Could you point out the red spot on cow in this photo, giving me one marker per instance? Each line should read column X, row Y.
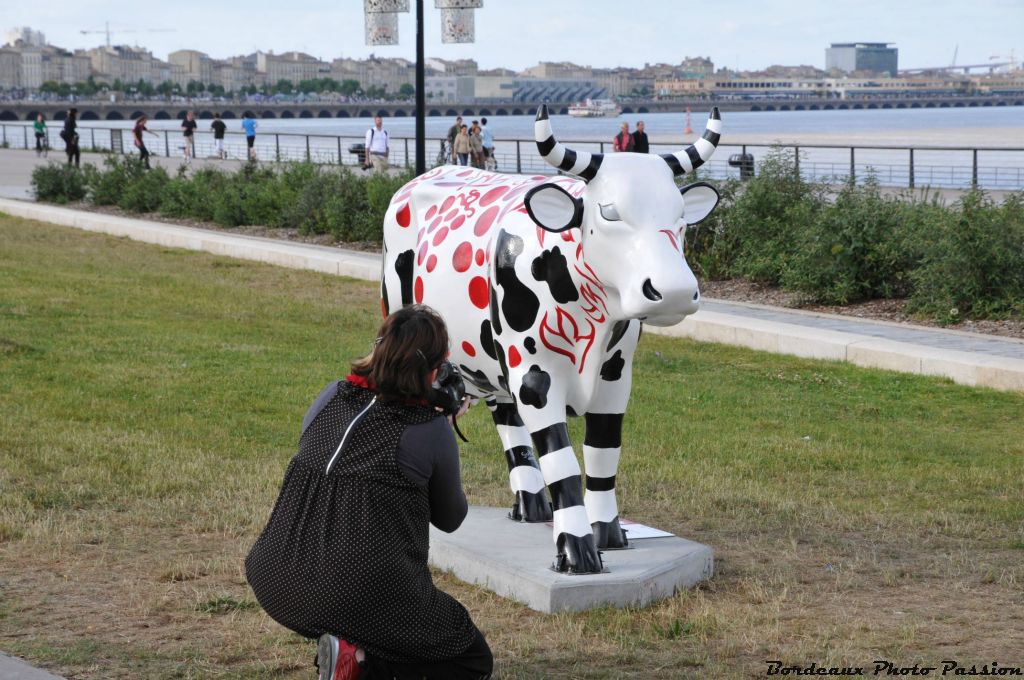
column 458, row 222
column 478, row 293
column 479, row 257
column 447, row 203
column 567, row 236
column 418, row 289
column 431, row 263
column 431, row 212
column 483, row 225
column 383, row 308
column 433, row 225
column 465, row 173
column 671, row 237
column 423, row 253
column 463, row 257
column 440, row 235
column 468, row 349
column 538, row 178
column 451, row 216
column 514, row 359
column 493, row 195
column 404, row 216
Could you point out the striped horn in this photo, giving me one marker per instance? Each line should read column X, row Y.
column 698, row 153
column 583, row 164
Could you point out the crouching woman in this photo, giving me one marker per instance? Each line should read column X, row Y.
column 343, row 558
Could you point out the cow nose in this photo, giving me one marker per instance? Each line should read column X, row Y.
column 650, row 292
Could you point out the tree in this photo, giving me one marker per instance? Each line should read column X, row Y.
column 406, row 91
column 49, row 87
column 165, row 88
column 284, row 86
column 350, row 87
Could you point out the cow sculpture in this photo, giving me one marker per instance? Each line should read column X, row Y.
column 544, row 284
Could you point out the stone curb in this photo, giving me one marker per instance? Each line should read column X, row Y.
column 967, row 368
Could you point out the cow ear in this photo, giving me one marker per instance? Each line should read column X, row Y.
column 553, row 208
column 699, row 199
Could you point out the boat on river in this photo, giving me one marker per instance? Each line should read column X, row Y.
column 595, row 108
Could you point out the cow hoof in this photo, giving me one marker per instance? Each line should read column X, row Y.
column 609, row 535
column 531, row 507
column 577, row 555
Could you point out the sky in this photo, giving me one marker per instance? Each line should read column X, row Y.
column 516, row 34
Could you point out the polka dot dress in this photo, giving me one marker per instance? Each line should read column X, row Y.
column 346, row 552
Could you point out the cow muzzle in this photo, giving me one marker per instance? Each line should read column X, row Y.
column 665, row 303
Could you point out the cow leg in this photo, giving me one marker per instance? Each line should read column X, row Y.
column 574, row 539
column 601, row 449
column 524, row 475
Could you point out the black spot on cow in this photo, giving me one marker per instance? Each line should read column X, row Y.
column 552, row 267
column 503, row 383
column 477, row 378
column 618, row 330
column 531, row 345
column 495, row 315
column 500, row 351
column 486, row 339
column 403, row 267
column 519, row 305
column 571, row 412
column 611, row 370
column 534, row 390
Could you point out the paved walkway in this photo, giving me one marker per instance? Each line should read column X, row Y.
column 12, row 668
column 967, row 358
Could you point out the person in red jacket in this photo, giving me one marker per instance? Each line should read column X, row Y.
column 624, row 141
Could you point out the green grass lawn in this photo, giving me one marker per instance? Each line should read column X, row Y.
column 150, row 400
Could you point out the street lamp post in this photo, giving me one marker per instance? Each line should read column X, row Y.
column 382, row 29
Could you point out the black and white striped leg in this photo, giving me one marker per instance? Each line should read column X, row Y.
column 574, row 540
column 601, row 448
column 524, row 475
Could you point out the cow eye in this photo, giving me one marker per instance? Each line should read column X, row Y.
column 610, row 213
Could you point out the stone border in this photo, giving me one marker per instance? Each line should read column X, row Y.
column 967, row 368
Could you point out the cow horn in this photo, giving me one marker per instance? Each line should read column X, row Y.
column 583, row 164
column 695, row 155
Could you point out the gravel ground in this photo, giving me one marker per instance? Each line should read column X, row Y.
column 735, row 290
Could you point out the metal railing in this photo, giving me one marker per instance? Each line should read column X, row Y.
column 893, row 166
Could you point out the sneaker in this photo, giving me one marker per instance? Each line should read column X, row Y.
column 336, row 659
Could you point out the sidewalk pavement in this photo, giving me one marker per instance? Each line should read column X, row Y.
column 12, row 668
column 966, row 358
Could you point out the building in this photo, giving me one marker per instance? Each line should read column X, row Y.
column 195, row 66
column 390, row 74
column 292, row 66
column 129, row 65
column 10, row 68
column 862, row 56
column 25, row 36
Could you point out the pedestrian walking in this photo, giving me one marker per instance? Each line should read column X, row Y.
column 476, row 146
column 453, row 133
column 249, row 125
column 188, row 128
column 487, row 139
column 640, row 144
column 343, row 558
column 461, row 148
column 377, row 146
column 623, row 141
column 70, row 136
column 140, row 143
column 39, row 126
column 219, row 128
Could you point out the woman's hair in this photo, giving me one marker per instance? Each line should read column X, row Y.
column 411, row 343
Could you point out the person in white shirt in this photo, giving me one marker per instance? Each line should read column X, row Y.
column 377, row 146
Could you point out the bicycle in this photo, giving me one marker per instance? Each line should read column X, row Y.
column 442, row 155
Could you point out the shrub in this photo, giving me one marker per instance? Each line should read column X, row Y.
column 107, row 186
column 760, row 230
column 854, row 249
column 59, row 182
column 144, row 192
column 195, row 196
column 973, row 264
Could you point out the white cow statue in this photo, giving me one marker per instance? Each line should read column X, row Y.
column 544, row 284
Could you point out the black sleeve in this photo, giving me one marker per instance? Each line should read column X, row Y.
column 318, row 404
column 429, row 456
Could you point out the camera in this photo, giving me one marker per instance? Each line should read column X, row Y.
column 448, row 389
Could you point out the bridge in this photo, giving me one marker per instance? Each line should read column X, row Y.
column 165, row 110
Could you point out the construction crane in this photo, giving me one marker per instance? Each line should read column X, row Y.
column 1009, row 60
column 127, row 30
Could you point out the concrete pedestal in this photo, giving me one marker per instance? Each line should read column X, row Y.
column 514, row 560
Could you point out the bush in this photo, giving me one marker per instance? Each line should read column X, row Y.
column 145, row 192
column 854, row 249
column 193, row 197
column 760, row 230
column 59, row 182
column 973, row 264
column 106, row 187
